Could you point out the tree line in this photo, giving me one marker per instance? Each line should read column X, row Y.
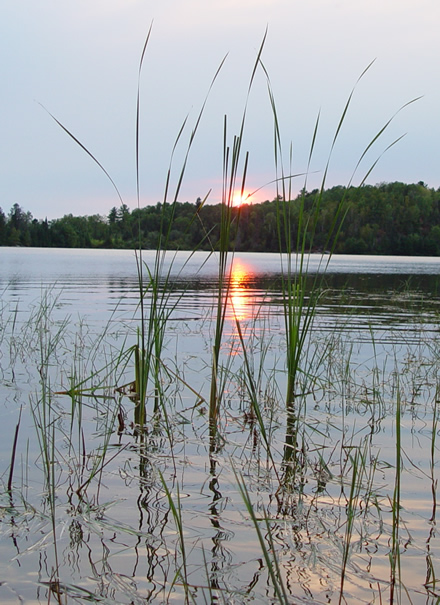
column 388, row 218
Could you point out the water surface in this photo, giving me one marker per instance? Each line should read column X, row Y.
column 67, row 316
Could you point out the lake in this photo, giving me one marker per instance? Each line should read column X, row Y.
column 333, row 493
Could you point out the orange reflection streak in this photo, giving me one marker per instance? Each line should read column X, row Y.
column 240, row 277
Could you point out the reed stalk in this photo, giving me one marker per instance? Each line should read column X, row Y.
column 176, row 511
column 432, row 461
column 301, row 292
column 395, row 571
column 358, row 470
column 267, row 547
column 156, row 295
column 296, row 227
column 231, row 177
column 14, row 451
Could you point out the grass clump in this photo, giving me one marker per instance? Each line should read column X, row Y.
column 310, row 509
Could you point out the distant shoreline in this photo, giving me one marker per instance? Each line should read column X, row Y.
column 394, row 219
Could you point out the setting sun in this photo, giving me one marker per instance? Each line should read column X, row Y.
column 239, row 197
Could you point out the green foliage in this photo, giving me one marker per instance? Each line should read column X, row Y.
column 388, row 218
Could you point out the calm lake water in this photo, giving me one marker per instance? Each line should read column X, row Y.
column 69, row 316
column 98, row 283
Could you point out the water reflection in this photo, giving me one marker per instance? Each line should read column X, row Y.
column 241, row 281
column 133, row 553
column 376, row 292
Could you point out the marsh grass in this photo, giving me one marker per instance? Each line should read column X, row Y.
column 299, row 299
column 431, row 578
column 395, row 568
column 175, row 508
column 266, row 543
column 313, row 509
column 357, row 460
column 232, row 175
column 339, row 469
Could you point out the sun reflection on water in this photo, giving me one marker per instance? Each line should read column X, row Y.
column 241, row 275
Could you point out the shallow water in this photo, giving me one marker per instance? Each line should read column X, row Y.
column 67, row 314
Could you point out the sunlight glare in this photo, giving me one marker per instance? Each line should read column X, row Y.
column 239, row 198
column 240, row 276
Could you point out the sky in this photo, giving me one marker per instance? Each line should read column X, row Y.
column 79, row 62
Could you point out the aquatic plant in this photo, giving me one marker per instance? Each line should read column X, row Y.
column 321, row 499
column 300, row 291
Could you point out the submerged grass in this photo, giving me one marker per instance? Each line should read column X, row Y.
column 340, row 507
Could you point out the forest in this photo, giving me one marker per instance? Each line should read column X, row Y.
column 387, row 218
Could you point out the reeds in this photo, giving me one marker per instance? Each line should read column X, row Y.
column 341, row 471
column 300, row 291
column 233, row 175
column 395, row 569
column 267, row 545
column 155, row 296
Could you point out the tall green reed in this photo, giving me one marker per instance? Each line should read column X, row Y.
column 232, row 175
column 156, row 302
column 301, row 290
column 157, row 295
column 395, row 570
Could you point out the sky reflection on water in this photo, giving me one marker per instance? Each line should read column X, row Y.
column 374, row 328
column 368, row 291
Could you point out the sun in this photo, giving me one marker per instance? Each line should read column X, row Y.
column 239, row 197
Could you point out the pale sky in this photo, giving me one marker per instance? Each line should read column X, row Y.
column 80, row 61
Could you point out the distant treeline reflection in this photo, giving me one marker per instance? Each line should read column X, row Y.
column 388, row 218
